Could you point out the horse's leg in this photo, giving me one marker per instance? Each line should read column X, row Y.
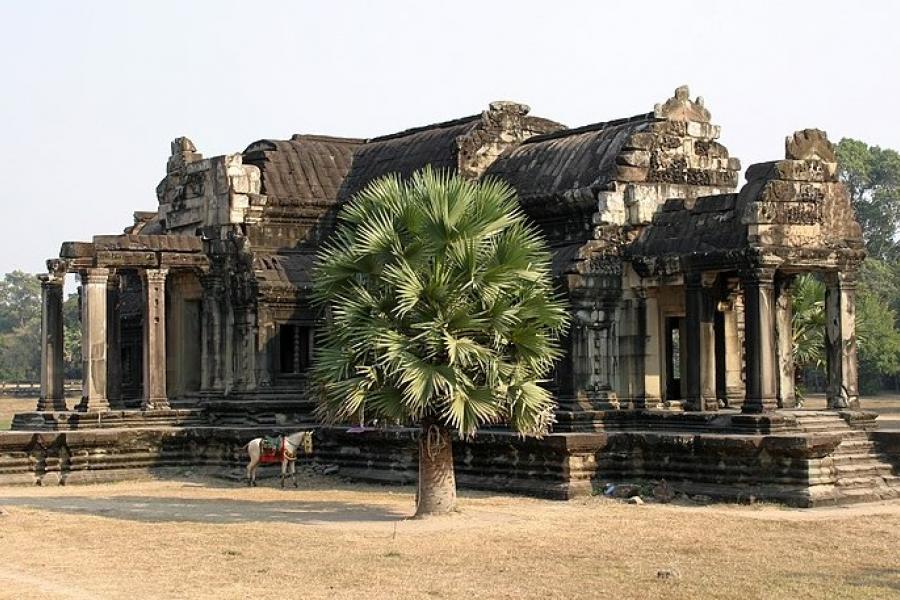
column 283, row 471
column 253, row 451
column 294, row 472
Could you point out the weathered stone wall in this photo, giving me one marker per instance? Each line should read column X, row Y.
column 90, row 456
column 211, row 192
column 757, row 458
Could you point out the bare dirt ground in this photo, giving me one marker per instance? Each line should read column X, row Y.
column 328, row 539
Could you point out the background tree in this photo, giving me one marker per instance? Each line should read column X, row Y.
column 440, row 314
column 20, row 330
column 20, row 300
column 72, row 337
column 872, row 176
column 20, row 327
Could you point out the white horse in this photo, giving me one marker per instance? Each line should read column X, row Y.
column 287, row 453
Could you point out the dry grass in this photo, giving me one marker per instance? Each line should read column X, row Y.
column 11, row 406
column 209, row 539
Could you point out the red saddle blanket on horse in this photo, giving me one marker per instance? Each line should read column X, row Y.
column 271, row 449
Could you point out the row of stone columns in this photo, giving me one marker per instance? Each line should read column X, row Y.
column 101, row 369
column 713, row 357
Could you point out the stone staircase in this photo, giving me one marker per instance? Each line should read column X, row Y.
column 862, row 473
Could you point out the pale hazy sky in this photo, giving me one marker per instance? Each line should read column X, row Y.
column 93, row 92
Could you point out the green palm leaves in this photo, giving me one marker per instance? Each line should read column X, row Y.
column 440, row 304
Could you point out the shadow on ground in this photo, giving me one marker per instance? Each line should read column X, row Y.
column 153, row 509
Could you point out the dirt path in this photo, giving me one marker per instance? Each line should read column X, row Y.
column 210, row 539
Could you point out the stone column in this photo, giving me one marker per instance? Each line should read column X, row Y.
column 840, row 340
column 212, row 336
column 155, row 340
column 652, row 364
column 699, row 346
column 708, row 353
column 113, row 344
column 227, row 358
column 205, row 333
column 784, row 342
column 721, row 383
column 52, row 372
column 759, row 341
column 734, row 354
column 93, row 339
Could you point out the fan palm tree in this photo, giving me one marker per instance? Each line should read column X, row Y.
column 808, row 321
column 441, row 314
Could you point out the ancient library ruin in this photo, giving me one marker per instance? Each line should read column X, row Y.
column 197, row 327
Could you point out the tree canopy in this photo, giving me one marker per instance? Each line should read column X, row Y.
column 440, row 306
column 872, row 176
column 20, row 329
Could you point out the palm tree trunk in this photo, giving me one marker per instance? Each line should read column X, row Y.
column 437, row 482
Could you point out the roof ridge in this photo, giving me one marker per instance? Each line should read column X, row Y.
column 319, row 137
column 440, row 125
column 591, row 127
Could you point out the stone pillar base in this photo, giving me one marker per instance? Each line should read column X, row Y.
column 759, row 405
column 648, row 403
column 93, row 405
column 51, row 405
column 155, row 404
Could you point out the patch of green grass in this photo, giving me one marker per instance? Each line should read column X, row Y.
column 5, row 423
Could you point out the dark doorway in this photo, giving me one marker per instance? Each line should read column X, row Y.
column 673, row 358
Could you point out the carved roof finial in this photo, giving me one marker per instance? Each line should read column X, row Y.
column 809, row 144
column 181, row 145
column 680, row 107
column 183, row 151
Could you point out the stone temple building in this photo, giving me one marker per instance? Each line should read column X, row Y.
column 678, row 281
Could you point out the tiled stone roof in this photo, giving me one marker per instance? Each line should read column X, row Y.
column 570, row 165
column 306, row 169
column 406, row 152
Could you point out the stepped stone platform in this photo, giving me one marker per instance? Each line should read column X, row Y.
column 799, row 458
column 108, row 419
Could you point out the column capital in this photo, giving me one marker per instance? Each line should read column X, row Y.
column 155, row 275
column 114, row 279
column 845, row 280
column 759, row 275
column 51, row 280
column 95, row 275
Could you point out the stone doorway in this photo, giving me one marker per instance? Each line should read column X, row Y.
column 183, row 335
column 674, row 357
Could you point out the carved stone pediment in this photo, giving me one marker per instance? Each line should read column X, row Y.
column 809, row 144
column 680, row 107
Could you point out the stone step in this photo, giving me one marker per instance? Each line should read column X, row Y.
column 863, row 470
column 852, row 458
column 867, row 481
column 854, row 496
column 852, row 446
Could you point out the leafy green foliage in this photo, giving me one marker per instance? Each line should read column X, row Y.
column 439, row 303
column 20, row 327
column 877, row 335
column 808, row 322
column 872, row 176
column 72, row 337
column 20, row 330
